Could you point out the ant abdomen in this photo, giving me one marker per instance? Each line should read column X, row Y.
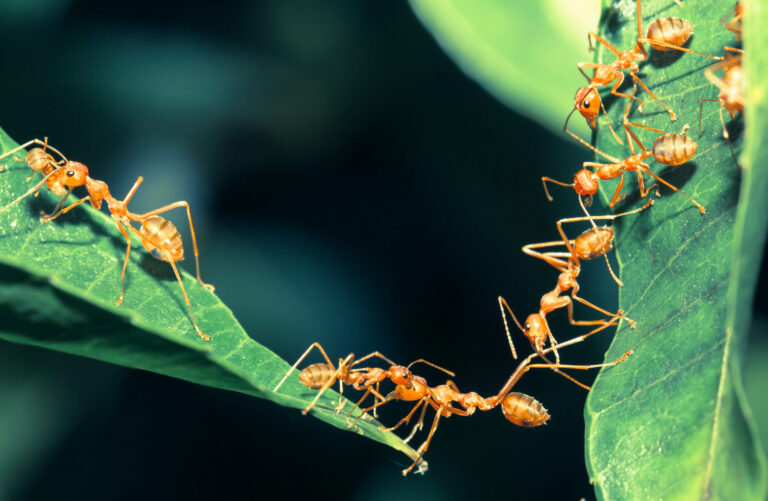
column 316, row 376
column 39, row 160
column 524, row 410
column 162, row 231
column 670, row 30
column 594, row 242
column 674, row 149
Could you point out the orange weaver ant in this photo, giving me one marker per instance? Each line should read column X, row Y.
column 731, row 87
column 517, row 407
column 158, row 236
column 669, row 149
column 321, row 376
column 590, row 244
column 663, row 34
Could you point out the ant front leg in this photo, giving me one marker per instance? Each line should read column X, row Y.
column 672, row 114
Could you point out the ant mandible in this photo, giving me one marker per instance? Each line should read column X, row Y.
column 158, row 235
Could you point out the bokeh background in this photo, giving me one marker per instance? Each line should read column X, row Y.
column 350, row 186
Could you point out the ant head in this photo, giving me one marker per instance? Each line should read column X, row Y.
column 413, row 390
column 594, row 242
column 587, row 101
column 585, row 182
column 535, row 329
column 400, row 375
column 74, row 174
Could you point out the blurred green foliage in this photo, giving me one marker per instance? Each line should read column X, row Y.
column 673, row 420
column 524, row 53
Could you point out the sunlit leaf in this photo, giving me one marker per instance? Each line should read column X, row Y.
column 524, row 53
column 672, row 422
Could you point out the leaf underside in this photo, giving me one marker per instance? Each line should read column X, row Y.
column 672, row 421
column 500, row 44
column 59, row 281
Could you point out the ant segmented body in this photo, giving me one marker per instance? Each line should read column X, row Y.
column 663, row 34
column 669, row 149
column 517, row 408
column 158, row 236
column 321, row 376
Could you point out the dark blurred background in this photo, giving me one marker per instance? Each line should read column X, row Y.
column 350, row 186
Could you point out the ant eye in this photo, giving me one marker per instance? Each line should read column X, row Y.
column 527, row 327
column 586, row 104
column 70, row 173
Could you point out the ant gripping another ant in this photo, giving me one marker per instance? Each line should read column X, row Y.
column 321, row 376
column 663, row 34
column 517, row 408
column 158, row 235
column 592, row 243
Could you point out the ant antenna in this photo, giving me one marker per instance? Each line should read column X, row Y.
column 502, row 304
column 421, row 360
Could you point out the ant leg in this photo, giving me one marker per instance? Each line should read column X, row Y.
column 125, row 261
column 58, row 205
column 172, row 206
column 30, row 191
column 302, row 357
column 566, row 375
column 133, row 189
column 418, row 426
column 425, row 446
column 407, row 417
column 357, row 406
column 666, row 45
column 616, row 197
column 503, row 304
column 523, row 366
column 552, row 341
column 670, row 186
column 620, row 313
column 170, row 260
column 672, row 115
column 64, row 210
column 551, row 258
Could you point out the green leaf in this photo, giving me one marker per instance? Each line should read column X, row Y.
column 59, row 281
column 524, row 53
column 672, row 422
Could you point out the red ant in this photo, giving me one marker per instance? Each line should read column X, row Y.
column 669, row 149
column 663, row 34
column 731, row 87
column 158, row 236
column 517, row 407
column 592, row 243
column 321, row 376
